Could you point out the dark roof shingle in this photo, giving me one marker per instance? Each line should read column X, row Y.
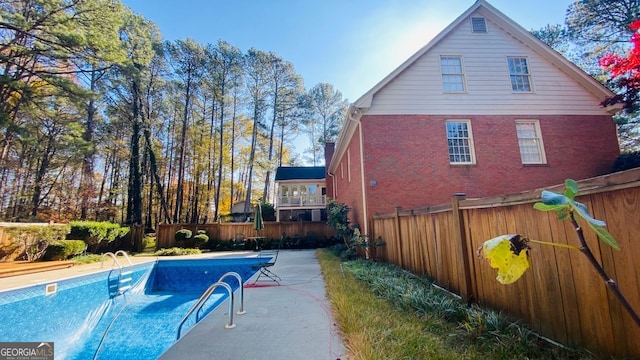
column 300, row 173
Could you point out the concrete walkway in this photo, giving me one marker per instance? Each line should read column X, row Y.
column 290, row 321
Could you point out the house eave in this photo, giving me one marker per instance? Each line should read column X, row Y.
column 354, row 114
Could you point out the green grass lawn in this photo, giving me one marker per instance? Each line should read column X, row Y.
column 387, row 313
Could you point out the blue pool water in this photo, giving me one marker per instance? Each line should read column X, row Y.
column 86, row 319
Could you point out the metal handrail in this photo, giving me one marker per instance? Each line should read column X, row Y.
column 123, row 253
column 203, row 298
column 239, row 278
column 121, row 289
column 113, row 256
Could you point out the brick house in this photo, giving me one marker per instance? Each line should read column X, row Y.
column 483, row 109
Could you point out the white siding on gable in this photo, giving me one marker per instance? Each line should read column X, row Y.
column 418, row 89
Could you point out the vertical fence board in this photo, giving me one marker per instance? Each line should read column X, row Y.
column 561, row 296
column 619, row 209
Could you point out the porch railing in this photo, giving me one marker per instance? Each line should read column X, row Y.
column 302, row 200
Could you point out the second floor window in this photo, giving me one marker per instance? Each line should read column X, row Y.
column 519, row 74
column 460, row 142
column 452, row 75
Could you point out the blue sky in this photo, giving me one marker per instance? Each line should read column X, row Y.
column 352, row 44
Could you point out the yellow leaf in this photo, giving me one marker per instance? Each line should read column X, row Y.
column 509, row 254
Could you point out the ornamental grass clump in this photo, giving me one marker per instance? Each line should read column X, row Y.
column 452, row 328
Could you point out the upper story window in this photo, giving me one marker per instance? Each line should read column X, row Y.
column 519, row 73
column 530, row 142
column 460, row 142
column 452, row 74
column 478, row 25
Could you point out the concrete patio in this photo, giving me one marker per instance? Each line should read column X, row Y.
column 289, row 321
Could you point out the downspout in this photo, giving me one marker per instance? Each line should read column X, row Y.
column 333, row 183
column 357, row 118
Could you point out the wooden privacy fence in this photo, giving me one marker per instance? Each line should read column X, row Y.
column 227, row 231
column 561, row 296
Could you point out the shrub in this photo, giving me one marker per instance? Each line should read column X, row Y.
column 199, row 240
column 627, row 161
column 87, row 259
column 64, row 249
column 183, row 234
column 148, row 241
column 31, row 242
column 95, row 233
column 176, row 251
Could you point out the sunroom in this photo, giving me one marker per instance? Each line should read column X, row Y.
column 301, row 193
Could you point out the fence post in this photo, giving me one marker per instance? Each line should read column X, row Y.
column 399, row 236
column 460, row 239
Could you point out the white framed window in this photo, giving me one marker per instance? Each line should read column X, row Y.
column 530, row 142
column 460, row 142
column 519, row 74
column 478, row 25
column 452, row 74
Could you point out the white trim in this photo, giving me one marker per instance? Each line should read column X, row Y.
column 472, row 152
column 349, row 165
column 528, row 75
column 538, row 138
column 365, row 213
column 473, row 30
column 462, row 74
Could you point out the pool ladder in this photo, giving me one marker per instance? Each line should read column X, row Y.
column 124, row 273
column 207, row 294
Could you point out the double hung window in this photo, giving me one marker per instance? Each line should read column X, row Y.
column 460, row 142
column 452, row 74
column 519, row 74
column 530, row 142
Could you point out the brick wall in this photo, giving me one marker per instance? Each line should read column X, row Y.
column 407, row 157
column 349, row 191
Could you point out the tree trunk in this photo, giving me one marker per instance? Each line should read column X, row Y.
column 182, row 154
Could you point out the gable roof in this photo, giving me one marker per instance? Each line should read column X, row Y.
column 300, row 173
column 358, row 108
column 510, row 26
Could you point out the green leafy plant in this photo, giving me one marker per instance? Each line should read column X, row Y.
column 200, row 239
column 64, row 249
column 509, row 253
column 96, row 233
column 338, row 218
column 176, row 251
column 33, row 240
column 461, row 331
column 183, row 234
column 148, row 242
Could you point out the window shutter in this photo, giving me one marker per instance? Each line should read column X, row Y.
column 478, row 25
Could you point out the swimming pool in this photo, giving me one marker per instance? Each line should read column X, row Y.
column 87, row 319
